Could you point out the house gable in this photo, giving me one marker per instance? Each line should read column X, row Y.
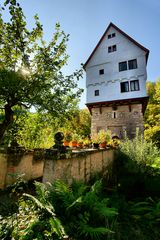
column 104, row 42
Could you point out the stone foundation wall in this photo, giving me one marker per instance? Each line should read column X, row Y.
column 125, row 118
column 80, row 166
column 13, row 164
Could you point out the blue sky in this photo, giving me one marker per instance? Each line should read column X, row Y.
column 86, row 21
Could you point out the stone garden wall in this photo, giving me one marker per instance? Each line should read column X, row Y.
column 80, row 165
column 13, row 164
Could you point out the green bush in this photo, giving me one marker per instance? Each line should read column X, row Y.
column 139, row 150
column 138, row 167
column 33, row 220
column 83, row 210
column 138, row 219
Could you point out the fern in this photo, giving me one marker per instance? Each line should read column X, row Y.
column 55, row 223
column 93, row 232
column 79, row 188
column 78, row 201
column 82, row 209
column 61, row 192
column 104, row 211
column 57, row 227
column 41, row 192
column 97, row 187
column 148, row 209
column 47, row 207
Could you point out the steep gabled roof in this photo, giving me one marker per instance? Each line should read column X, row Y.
column 124, row 34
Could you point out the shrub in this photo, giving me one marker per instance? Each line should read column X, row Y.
column 139, row 150
column 35, row 219
column 83, row 210
column 138, row 167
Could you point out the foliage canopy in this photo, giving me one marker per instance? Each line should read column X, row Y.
column 31, row 69
column 152, row 115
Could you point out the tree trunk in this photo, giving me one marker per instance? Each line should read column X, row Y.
column 7, row 121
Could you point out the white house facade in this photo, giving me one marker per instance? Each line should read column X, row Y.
column 115, row 78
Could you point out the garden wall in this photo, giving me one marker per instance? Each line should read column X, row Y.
column 81, row 165
column 15, row 163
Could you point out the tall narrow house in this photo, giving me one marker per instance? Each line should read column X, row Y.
column 116, row 83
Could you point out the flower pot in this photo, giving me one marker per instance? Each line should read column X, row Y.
column 95, row 145
column 66, row 143
column 74, row 144
column 80, row 145
column 86, row 145
column 102, row 145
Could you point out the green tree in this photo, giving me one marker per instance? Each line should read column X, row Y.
column 79, row 122
column 152, row 115
column 36, row 130
column 31, row 69
column 84, row 126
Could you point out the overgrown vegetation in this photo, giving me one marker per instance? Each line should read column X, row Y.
column 138, row 195
column 83, row 212
column 138, row 167
column 129, row 209
column 37, row 130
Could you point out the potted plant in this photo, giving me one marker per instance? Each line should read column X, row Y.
column 86, row 142
column 108, row 135
column 67, row 139
column 110, row 144
column 116, row 141
column 102, row 138
column 80, row 142
column 95, row 141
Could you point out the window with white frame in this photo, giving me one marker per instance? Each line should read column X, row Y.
column 124, row 86
column 129, row 86
column 132, row 64
column 134, row 85
column 128, row 65
column 122, row 66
